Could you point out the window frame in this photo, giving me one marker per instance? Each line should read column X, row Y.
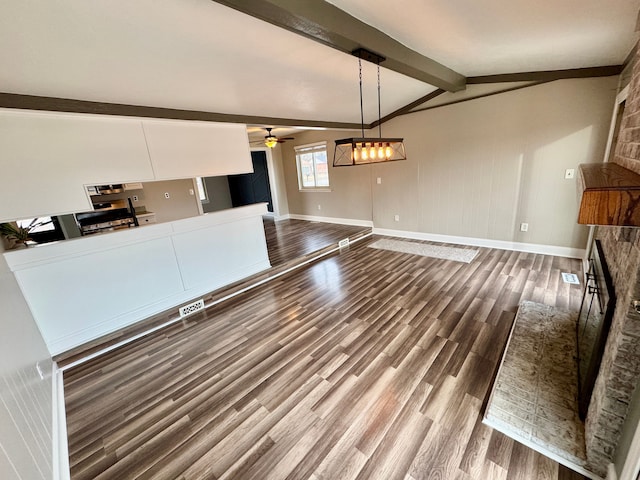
column 317, row 146
column 201, row 183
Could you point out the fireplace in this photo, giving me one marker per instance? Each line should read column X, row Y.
column 594, row 322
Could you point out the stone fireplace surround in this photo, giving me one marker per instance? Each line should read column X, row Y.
column 620, row 369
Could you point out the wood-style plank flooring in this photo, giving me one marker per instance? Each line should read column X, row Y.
column 290, row 243
column 368, row 364
column 291, row 239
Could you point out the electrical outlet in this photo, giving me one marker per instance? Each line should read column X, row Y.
column 569, row 173
column 524, row 227
column 135, row 198
column 379, row 180
column 319, row 207
column 396, row 218
column 166, row 195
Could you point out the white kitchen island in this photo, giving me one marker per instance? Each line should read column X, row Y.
column 81, row 289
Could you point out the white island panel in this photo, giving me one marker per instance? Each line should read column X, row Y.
column 90, row 295
column 199, row 251
column 82, row 289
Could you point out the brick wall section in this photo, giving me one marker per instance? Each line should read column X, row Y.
column 620, row 368
column 627, row 151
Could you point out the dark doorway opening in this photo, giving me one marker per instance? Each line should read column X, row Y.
column 249, row 188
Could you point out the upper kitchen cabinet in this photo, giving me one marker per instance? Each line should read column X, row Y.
column 47, row 158
column 180, row 149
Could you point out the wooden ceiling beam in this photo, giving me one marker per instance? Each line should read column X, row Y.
column 327, row 24
column 407, row 108
column 548, row 75
column 69, row 105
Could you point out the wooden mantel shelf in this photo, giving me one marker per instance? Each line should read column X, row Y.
column 609, row 194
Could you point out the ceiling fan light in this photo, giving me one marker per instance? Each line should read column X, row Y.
column 270, row 142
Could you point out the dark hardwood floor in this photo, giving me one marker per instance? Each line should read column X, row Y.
column 290, row 243
column 291, row 239
column 368, row 364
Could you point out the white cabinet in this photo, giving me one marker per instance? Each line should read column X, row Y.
column 46, row 159
column 182, row 149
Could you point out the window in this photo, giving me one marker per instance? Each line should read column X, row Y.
column 313, row 169
column 47, row 229
column 41, row 224
column 202, row 190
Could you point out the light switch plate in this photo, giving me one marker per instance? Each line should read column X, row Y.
column 569, row 173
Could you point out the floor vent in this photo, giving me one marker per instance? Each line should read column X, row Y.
column 343, row 243
column 191, row 308
column 570, row 278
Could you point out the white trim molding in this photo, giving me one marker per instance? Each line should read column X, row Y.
column 60, row 448
column 631, row 467
column 484, row 242
column 338, row 221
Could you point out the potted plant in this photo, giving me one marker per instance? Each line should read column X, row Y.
column 17, row 236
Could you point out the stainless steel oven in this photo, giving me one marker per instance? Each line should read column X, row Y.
column 106, row 216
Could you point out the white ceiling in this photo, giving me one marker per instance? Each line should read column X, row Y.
column 486, row 37
column 200, row 55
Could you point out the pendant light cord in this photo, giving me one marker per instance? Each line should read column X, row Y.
column 379, row 122
column 361, row 108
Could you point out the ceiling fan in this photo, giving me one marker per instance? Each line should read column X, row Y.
column 271, row 140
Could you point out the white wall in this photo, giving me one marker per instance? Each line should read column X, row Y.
column 180, row 204
column 25, row 399
column 218, row 192
column 479, row 168
column 350, row 195
column 279, row 186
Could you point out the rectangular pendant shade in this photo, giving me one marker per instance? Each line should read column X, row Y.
column 362, row 151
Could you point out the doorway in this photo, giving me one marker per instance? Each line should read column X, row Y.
column 249, row 188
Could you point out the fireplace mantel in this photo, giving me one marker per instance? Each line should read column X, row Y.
column 609, row 194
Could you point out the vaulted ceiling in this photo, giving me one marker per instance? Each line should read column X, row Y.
column 204, row 56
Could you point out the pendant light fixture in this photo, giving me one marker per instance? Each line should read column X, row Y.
column 361, row 151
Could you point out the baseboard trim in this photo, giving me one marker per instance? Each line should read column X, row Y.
column 336, row 220
column 611, row 472
column 483, row 242
column 60, row 447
